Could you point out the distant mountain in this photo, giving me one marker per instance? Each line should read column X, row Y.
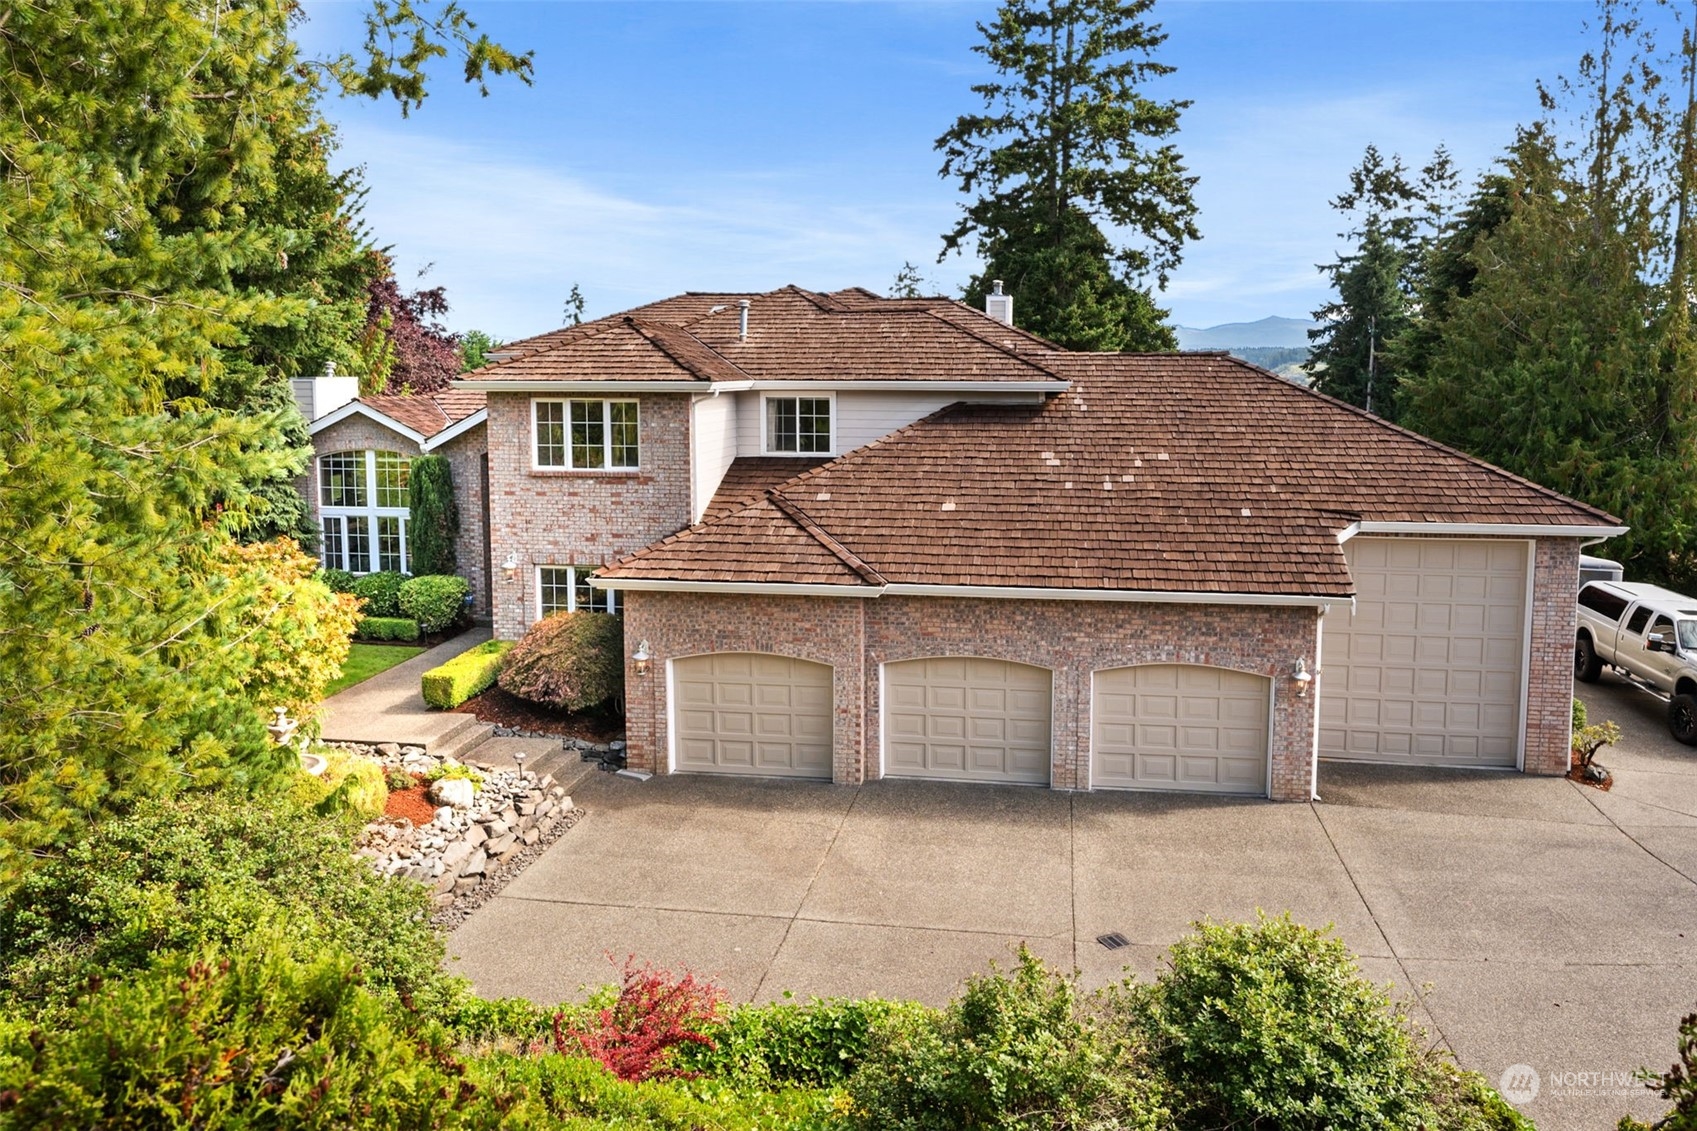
column 1289, row 333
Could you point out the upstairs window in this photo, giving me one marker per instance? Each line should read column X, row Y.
column 362, row 504
column 798, row 425
column 585, row 435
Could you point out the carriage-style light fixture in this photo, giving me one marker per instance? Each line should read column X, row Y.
column 1301, row 676
column 510, row 567
column 641, row 658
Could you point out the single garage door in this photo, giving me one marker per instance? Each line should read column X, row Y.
column 751, row 713
column 1429, row 669
column 1181, row 727
column 966, row 719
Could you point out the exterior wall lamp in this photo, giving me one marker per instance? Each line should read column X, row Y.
column 641, row 658
column 510, row 567
column 1301, row 677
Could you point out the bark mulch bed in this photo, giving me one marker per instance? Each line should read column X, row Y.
column 507, row 710
column 413, row 804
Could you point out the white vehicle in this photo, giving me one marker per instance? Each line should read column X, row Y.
column 1648, row 634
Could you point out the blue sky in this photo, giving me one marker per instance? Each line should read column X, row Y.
column 698, row 145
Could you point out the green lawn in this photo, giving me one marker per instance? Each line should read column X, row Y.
column 366, row 660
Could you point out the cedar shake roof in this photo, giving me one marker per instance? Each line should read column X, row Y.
column 1162, row 472
column 428, row 414
column 794, row 335
column 748, row 477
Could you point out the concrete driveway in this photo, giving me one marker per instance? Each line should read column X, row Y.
column 1529, row 921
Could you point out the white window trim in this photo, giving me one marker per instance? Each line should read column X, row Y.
column 371, row 512
column 766, row 421
column 573, row 579
column 606, row 436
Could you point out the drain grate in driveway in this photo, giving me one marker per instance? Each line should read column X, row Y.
column 1113, row 940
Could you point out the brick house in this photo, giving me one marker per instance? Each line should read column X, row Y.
column 855, row 538
column 356, row 487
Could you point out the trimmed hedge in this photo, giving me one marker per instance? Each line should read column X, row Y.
column 339, row 580
column 465, row 675
column 386, row 628
column 382, row 593
column 434, row 600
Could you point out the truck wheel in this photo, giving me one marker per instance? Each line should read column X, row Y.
column 1587, row 668
column 1682, row 717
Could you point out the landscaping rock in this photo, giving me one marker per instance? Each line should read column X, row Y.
column 389, row 749
column 475, row 864
column 502, row 846
column 455, row 792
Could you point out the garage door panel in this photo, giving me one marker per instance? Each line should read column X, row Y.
column 1447, row 693
column 982, row 720
column 1181, row 727
column 752, row 713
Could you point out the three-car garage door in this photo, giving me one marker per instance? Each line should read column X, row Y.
column 1180, row 727
column 1429, row 669
column 751, row 713
column 962, row 718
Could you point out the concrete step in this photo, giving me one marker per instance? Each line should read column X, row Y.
column 462, row 741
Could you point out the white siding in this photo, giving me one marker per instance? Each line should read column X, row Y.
column 861, row 417
column 713, row 445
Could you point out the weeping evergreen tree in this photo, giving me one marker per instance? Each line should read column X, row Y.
column 433, row 525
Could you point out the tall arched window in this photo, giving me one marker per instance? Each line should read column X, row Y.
column 362, row 502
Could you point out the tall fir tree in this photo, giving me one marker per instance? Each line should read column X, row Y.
column 1069, row 147
column 1395, row 212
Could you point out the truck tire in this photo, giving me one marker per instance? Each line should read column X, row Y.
column 1587, row 668
column 1682, row 717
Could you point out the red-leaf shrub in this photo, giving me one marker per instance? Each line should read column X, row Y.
column 656, row 1012
column 568, row 661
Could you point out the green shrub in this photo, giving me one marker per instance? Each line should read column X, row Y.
column 568, row 661
column 1578, row 716
column 381, row 593
column 434, row 601
column 1013, row 1051
column 817, row 1044
column 1463, row 1101
column 433, row 525
column 249, row 1036
column 465, row 675
column 387, row 628
column 456, row 770
column 1272, row 1024
column 209, row 868
column 398, row 780
column 339, row 580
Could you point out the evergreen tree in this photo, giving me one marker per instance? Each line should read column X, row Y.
column 139, row 645
column 910, row 282
column 1375, row 283
column 433, row 527
column 574, row 307
column 1067, row 147
column 475, row 348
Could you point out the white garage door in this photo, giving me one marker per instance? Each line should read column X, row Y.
column 750, row 713
column 966, row 719
column 1429, row 669
column 1180, row 727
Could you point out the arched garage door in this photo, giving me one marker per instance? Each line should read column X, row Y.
column 1180, row 727
column 751, row 713
column 961, row 718
column 1428, row 669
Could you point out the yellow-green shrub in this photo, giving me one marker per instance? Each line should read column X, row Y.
column 352, row 784
column 465, row 675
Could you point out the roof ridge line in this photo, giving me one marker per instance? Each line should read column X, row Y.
column 1420, row 438
column 824, row 537
column 652, row 334
column 993, row 344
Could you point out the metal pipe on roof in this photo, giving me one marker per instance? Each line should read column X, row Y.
column 742, row 319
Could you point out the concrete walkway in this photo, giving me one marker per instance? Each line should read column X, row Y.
column 1528, row 920
column 388, row 707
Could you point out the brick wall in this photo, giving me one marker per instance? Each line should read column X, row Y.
column 1071, row 638
column 579, row 517
column 1549, row 682
column 465, row 456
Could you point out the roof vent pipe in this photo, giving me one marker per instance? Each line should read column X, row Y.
column 998, row 305
column 742, row 319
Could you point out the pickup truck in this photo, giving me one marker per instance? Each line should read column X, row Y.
column 1647, row 633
